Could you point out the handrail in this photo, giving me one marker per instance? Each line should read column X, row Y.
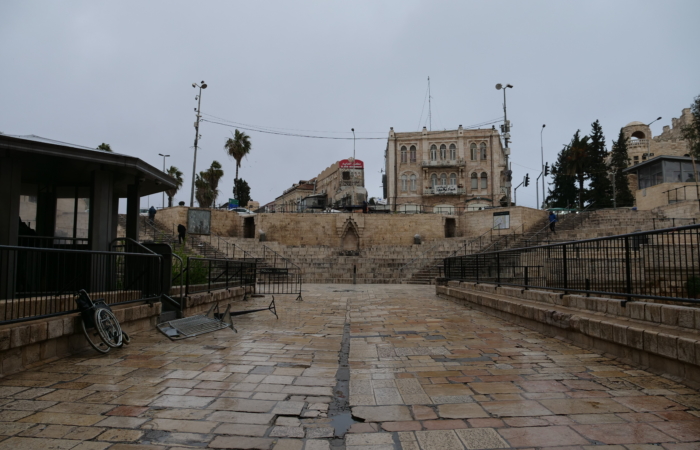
column 284, row 258
column 148, row 250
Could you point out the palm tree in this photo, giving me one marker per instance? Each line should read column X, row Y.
column 177, row 174
column 105, row 147
column 212, row 175
column 237, row 148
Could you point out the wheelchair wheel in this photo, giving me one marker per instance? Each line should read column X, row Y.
column 125, row 338
column 108, row 327
column 94, row 339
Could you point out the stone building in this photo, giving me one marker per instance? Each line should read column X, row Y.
column 342, row 184
column 642, row 145
column 445, row 171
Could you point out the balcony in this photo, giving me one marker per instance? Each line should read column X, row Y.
column 636, row 143
column 443, row 163
column 450, row 189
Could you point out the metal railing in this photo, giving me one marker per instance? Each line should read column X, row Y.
column 53, row 242
column 210, row 274
column 42, row 282
column 662, row 264
column 673, row 196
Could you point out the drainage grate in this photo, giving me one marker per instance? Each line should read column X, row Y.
column 191, row 326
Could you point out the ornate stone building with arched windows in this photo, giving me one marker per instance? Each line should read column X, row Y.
column 444, row 171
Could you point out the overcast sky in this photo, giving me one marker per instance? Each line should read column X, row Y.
column 120, row 72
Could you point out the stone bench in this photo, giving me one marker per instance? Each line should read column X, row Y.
column 660, row 337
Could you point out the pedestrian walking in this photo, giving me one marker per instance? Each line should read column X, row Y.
column 151, row 214
column 364, row 206
column 181, row 230
column 552, row 220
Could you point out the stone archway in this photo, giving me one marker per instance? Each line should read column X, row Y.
column 350, row 240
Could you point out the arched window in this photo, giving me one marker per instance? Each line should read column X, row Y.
column 475, row 181
column 404, row 179
column 413, row 182
column 475, row 155
column 443, row 152
column 433, row 153
column 443, row 179
column 433, row 181
column 484, row 180
column 453, row 179
column 482, row 147
column 403, row 154
column 413, row 153
column 453, row 152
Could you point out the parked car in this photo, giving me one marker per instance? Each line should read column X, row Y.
column 243, row 211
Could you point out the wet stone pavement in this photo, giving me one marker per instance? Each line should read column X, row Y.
column 357, row 367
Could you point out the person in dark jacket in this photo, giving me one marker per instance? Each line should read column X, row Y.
column 181, row 230
column 151, row 214
column 552, row 220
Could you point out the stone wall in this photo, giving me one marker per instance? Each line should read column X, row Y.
column 27, row 344
column 475, row 223
column 357, row 231
column 657, row 196
column 223, row 223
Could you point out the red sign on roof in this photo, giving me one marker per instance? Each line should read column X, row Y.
column 347, row 164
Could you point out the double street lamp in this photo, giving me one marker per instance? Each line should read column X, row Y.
column 164, row 156
column 201, row 86
column 648, row 153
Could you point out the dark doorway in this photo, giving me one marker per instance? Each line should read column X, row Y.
column 450, row 227
column 249, row 227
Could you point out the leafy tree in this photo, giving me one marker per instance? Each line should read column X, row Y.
column 691, row 132
column 105, row 147
column 177, row 174
column 563, row 192
column 620, row 160
column 243, row 191
column 600, row 187
column 238, row 148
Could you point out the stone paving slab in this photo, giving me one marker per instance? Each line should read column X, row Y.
column 423, row 373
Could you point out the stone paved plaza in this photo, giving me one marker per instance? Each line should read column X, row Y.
column 424, row 373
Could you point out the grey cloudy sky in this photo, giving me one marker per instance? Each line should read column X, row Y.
column 120, row 72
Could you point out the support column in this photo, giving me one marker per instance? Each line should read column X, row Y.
column 100, row 210
column 46, row 211
column 10, row 185
column 133, row 204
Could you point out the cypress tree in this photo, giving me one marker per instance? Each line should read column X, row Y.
column 563, row 193
column 620, row 160
column 600, row 187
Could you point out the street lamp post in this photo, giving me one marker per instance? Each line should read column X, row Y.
column 506, row 138
column 164, row 156
column 649, row 138
column 353, row 167
column 196, row 136
column 542, row 156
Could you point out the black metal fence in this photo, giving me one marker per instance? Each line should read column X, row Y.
column 662, row 264
column 277, row 280
column 209, row 274
column 42, row 282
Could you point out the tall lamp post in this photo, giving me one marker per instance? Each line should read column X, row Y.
column 164, row 156
column 506, row 137
column 542, row 156
column 353, row 167
column 196, row 136
column 649, row 138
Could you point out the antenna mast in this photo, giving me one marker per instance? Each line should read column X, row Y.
column 430, row 111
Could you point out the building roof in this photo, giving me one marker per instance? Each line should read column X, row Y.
column 635, row 123
column 71, row 164
column 655, row 159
